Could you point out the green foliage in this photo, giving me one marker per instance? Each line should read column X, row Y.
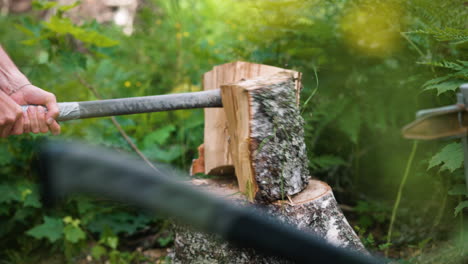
column 458, row 189
column 367, row 92
column 460, row 207
column 448, row 82
column 165, row 241
column 52, row 229
column 325, row 162
column 63, row 26
column 371, row 214
column 450, row 157
column 72, row 230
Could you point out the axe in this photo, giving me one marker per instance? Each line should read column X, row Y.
column 137, row 105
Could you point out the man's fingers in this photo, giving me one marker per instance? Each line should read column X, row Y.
column 18, row 128
column 10, row 112
column 32, row 110
column 41, row 119
column 52, row 109
column 26, row 123
column 55, row 128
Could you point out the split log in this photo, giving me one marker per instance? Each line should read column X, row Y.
column 218, row 160
column 313, row 210
column 267, row 136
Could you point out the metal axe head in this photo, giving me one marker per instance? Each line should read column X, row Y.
column 441, row 122
column 437, row 123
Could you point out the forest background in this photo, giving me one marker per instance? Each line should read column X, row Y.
column 367, row 65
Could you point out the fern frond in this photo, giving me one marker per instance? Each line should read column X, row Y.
column 447, row 34
column 456, row 66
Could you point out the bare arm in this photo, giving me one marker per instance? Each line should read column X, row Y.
column 11, row 79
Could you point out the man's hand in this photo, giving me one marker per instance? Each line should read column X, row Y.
column 10, row 115
column 16, row 90
column 37, row 120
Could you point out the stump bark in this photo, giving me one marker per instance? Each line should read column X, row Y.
column 313, row 210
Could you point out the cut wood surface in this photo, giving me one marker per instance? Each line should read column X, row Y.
column 266, row 136
column 313, row 210
column 218, row 159
column 198, row 165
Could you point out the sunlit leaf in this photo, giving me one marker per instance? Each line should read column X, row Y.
column 98, row 251
column 43, row 5
column 73, row 233
column 65, row 8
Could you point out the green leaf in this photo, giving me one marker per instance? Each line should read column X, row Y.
column 94, row 38
column 459, row 189
column 166, row 154
column 158, row 137
column 43, row 57
column 9, row 193
column 84, row 205
column 30, row 42
column 450, row 157
column 98, row 251
column 118, row 222
column 32, row 199
column 65, row 26
column 65, row 8
column 73, row 233
column 165, row 241
column 460, row 207
column 25, row 30
column 444, row 64
column 41, row 5
column 112, row 241
column 443, row 87
column 52, row 229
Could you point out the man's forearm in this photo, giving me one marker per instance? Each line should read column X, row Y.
column 11, row 78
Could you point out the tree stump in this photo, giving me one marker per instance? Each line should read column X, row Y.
column 312, row 210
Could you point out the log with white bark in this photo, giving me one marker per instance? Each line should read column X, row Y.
column 267, row 136
column 313, row 210
column 217, row 156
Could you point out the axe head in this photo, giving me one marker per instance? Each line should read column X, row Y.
column 437, row 123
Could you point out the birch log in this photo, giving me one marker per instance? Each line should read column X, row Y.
column 217, row 157
column 267, row 136
column 313, row 210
